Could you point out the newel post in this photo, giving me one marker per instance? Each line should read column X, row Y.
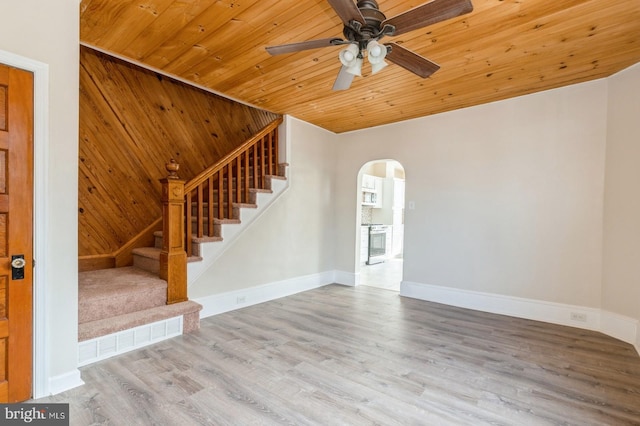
column 173, row 258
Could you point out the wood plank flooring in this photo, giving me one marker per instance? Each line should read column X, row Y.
column 362, row 356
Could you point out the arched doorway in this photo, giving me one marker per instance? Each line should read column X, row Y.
column 380, row 214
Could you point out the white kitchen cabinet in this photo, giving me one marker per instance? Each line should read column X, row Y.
column 372, row 191
column 368, row 182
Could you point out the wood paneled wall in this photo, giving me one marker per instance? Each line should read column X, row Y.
column 132, row 122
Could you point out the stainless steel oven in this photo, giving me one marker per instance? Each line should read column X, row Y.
column 377, row 244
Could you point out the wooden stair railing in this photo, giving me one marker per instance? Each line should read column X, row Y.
column 192, row 209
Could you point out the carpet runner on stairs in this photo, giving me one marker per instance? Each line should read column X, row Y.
column 112, row 300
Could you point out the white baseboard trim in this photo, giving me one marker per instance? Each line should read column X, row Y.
column 103, row 347
column 64, row 382
column 236, row 299
column 615, row 325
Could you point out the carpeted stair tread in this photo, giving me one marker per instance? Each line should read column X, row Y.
column 154, row 253
column 106, row 293
column 226, row 221
column 246, row 205
column 276, row 177
column 148, row 252
column 206, row 239
column 102, row 327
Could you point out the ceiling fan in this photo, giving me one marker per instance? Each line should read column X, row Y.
column 365, row 24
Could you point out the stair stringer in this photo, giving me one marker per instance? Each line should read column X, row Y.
column 211, row 251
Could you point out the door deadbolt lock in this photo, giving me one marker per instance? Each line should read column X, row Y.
column 17, row 267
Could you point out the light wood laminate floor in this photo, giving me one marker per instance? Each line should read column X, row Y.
column 363, row 356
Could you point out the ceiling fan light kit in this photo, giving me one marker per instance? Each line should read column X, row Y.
column 351, row 57
column 376, row 53
column 364, row 25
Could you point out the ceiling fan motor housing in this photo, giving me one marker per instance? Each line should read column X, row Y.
column 373, row 18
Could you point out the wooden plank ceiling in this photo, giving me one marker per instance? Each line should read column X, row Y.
column 504, row 48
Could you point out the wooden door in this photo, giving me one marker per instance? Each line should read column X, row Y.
column 16, row 233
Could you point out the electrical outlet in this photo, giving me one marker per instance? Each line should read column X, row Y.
column 576, row 316
column 241, row 299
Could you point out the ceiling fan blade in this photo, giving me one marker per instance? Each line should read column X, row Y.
column 344, row 79
column 302, row 45
column 411, row 61
column 347, row 11
column 428, row 14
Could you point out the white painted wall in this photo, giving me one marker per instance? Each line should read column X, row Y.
column 621, row 275
column 508, row 195
column 47, row 31
column 295, row 236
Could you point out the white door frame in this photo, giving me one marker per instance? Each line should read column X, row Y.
column 40, row 208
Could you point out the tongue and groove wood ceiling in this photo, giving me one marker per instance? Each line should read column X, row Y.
column 503, row 49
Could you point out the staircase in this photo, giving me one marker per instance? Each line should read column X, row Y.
column 121, row 309
column 148, row 258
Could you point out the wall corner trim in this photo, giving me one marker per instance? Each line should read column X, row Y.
column 347, row 278
column 619, row 326
column 612, row 324
column 64, row 382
